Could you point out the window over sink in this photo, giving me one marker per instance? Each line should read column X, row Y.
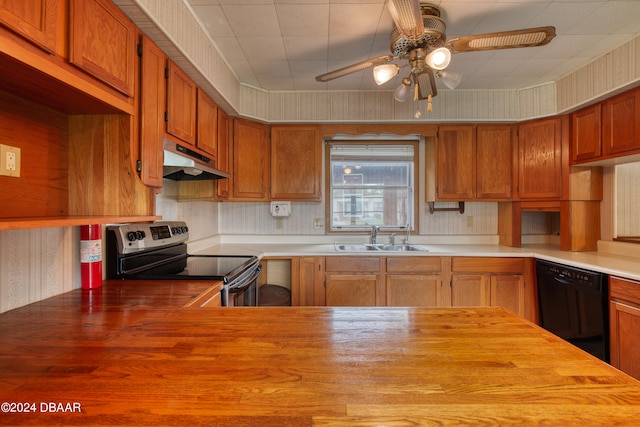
column 372, row 183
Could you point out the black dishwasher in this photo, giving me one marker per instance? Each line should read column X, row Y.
column 572, row 303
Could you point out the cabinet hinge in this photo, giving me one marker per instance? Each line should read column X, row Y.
column 138, row 165
column 139, row 47
column 166, row 116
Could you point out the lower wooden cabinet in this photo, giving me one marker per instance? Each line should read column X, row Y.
column 495, row 282
column 624, row 325
column 414, row 281
column 212, row 297
column 354, row 281
column 418, row 281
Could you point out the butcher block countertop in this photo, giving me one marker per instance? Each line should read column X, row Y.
column 119, row 361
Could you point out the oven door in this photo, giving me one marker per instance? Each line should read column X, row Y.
column 242, row 291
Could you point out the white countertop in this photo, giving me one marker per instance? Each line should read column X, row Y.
column 612, row 257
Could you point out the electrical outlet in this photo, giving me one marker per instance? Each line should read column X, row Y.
column 470, row 221
column 9, row 161
column 280, row 208
column 318, row 223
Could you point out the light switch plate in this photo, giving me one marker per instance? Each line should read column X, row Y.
column 280, row 208
column 9, row 160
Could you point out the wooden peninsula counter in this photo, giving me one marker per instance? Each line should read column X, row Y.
column 68, row 361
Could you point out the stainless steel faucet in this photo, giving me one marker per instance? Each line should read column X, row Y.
column 392, row 239
column 374, row 234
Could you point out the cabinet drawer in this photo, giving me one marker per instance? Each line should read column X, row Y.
column 487, row 265
column 623, row 289
column 354, row 264
column 414, row 265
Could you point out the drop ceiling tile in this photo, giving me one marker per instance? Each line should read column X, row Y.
column 354, row 19
column 304, row 20
column 252, row 20
column 230, row 48
column 305, row 48
column 214, row 20
column 267, row 48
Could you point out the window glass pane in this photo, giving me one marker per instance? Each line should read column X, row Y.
column 371, row 185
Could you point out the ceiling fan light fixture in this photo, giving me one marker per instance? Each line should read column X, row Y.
column 384, row 73
column 403, row 92
column 451, row 79
column 438, row 59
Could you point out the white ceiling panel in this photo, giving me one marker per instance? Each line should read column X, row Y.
column 285, row 44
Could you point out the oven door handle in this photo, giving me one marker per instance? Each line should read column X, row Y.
column 243, row 283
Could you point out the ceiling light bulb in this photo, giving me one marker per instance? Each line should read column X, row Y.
column 438, row 59
column 384, row 73
column 451, row 79
column 402, row 93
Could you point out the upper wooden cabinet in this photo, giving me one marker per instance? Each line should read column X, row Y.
column 152, row 101
column 606, row 130
column 225, row 160
column 586, row 133
column 207, row 122
column 455, row 162
column 103, row 43
column 251, row 154
column 181, row 104
column 621, row 124
column 540, row 159
column 35, row 20
column 474, row 162
column 494, row 162
column 296, row 163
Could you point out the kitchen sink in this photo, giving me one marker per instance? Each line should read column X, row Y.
column 401, row 248
column 365, row 247
column 355, row 247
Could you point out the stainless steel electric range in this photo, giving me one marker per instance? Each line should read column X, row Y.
column 158, row 251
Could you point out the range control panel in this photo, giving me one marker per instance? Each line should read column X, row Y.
column 135, row 237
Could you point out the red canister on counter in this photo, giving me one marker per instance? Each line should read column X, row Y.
column 91, row 256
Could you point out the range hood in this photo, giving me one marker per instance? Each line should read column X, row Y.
column 184, row 164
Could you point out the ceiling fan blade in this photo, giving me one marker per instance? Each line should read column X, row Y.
column 359, row 66
column 425, row 84
column 407, row 16
column 503, row 40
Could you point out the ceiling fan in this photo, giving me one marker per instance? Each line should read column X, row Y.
column 419, row 37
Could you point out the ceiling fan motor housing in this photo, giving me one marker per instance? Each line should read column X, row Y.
column 431, row 38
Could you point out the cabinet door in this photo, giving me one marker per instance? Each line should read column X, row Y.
column 95, row 25
column 455, row 163
column 35, row 20
column 152, row 101
column 494, row 162
column 621, row 123
column 540, row 159
column 470, row 290
column 311, row 281
column 625, row 347
column 624, row 325
column 223, row 186
column 207, row 122
column 418, row 290
column 250, row 161
column 585, row 134
column 508, row 291
column 181, row 104
column 343, row 289
column 296, row 163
